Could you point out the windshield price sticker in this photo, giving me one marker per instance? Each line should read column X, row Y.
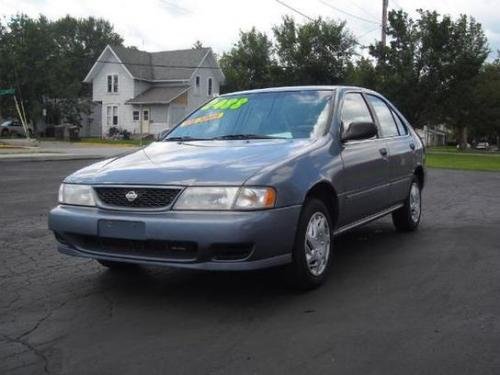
column 202, row 119
column 222, row 104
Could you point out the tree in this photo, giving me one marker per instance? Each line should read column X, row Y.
column 362, row 73
column 486, row 98
column 46, row 59
column 248, row 65
column 430, row 66
column 317, row 52
column 198, row 45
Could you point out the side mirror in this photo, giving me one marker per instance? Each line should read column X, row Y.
column 359, row 130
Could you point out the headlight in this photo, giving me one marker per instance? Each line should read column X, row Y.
column 226, row 198
column 81, row 195
column 250, row 198
column 206, row 198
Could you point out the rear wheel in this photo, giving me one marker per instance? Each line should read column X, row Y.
column 407, row 218
column 312, row 254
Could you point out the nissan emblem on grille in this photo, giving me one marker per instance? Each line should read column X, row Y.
column 140, row 197
column 131, row 196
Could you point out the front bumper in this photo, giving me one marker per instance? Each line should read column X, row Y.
column 199, row 240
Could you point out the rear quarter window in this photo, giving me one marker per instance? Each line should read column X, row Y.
column 384, row 115
column 402, row 129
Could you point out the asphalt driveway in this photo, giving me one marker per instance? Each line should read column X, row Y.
column 421, row 303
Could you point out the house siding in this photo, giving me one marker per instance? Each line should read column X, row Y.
column 162, row 116
column 126, row 91
column 197, row 99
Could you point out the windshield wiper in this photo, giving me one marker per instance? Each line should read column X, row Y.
column 247, row 136
column 184, row 138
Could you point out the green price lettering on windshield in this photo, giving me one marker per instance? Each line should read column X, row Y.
column 222, row 104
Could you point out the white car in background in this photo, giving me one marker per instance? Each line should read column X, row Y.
column 482, row 146
column 13, row 128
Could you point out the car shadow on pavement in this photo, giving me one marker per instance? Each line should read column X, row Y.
column 357, row 251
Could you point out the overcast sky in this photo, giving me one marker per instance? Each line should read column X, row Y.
column 155, row 25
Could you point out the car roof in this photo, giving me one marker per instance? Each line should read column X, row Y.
column 301, row 88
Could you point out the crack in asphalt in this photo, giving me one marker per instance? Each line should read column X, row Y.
column 31, row 348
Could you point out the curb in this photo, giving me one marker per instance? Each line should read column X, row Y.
column 35, row 158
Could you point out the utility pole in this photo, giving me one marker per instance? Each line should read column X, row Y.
column 385, row 4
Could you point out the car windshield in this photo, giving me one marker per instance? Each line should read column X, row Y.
column 290, row 114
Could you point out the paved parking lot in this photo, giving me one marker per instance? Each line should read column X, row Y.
column 420, row 303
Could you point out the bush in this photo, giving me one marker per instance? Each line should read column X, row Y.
column 118, row 133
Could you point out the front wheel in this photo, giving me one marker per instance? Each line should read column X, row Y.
column 407, row 218
column 312, row 253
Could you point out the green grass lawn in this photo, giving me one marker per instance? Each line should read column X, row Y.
column 467, row 161
column 453, row 149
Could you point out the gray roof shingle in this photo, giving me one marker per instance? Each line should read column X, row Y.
column 158, row 66
column 159, row 95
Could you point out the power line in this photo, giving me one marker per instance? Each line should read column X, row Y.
column 294, row 9
column 347, row 13
column 369, row 14
column 368, row 32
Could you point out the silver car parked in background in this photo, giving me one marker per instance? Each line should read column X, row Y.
column 13, row 128
column 250, row 180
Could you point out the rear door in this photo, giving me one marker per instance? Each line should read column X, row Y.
column 366, row 168
column 400, row 148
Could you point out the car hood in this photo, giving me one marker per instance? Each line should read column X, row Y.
column 191, row 163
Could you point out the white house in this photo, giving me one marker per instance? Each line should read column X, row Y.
column 153, row 88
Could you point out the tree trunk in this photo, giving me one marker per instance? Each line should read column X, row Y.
column 463, row 137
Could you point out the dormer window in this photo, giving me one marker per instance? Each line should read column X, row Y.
column 112, row 83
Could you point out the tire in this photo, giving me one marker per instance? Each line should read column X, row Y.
column 119, row 266
column 312, row 253
column 407, row 218
column 5, row 133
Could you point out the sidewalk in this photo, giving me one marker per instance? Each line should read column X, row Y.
column 48, row 151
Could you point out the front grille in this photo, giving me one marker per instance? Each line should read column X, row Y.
column 137, row 197
column 152, row 249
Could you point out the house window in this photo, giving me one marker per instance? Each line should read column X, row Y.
column 112, row 115
column 145, row 115
column 113, row 83
column 209, row 87
column 197, row 85
column 115, row 115
column 108, row 115
column 135, row 115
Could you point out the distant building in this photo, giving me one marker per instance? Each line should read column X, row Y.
column 155, row 88
column 433, row 136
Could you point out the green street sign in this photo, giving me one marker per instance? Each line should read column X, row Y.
column 7, row 92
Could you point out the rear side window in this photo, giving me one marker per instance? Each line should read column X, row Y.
column 384, row 115
column 355, row 109
column 401, row 127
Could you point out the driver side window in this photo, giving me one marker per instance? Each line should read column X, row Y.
column 355, row 109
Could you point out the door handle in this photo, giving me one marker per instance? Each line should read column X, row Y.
column 383, row 151
column 412, row 146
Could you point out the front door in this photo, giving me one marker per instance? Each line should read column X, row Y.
column 400, row 147
column 366, row 166
column 145, row 120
